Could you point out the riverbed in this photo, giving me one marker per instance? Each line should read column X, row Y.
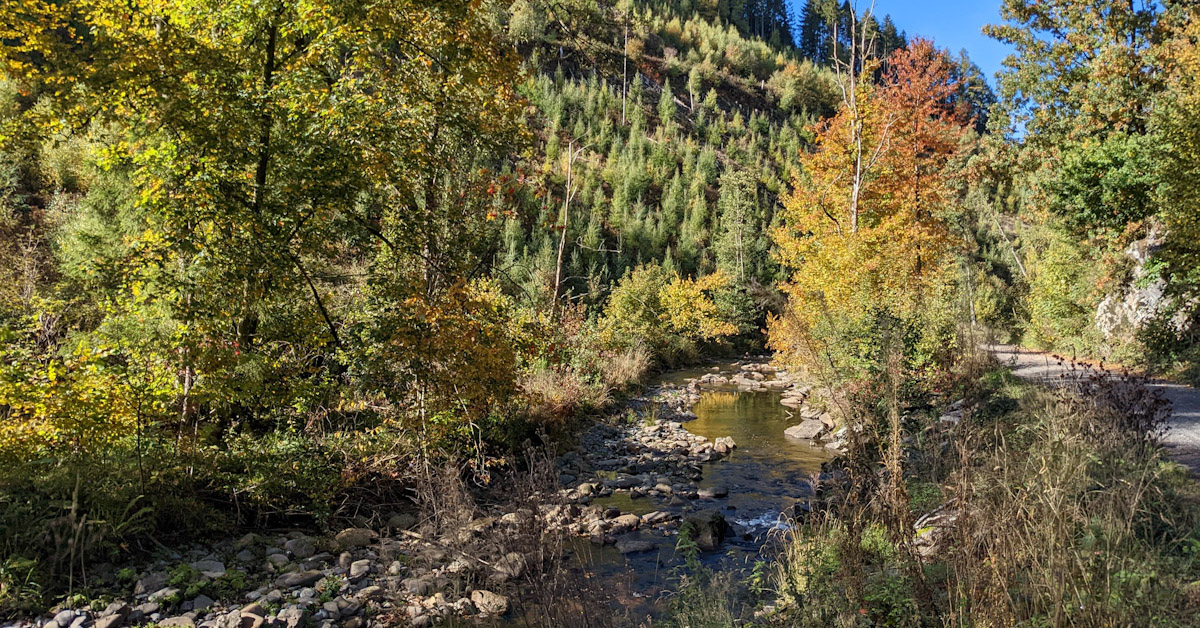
column 754, row 487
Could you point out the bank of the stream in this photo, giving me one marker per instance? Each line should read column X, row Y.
column 701, row 449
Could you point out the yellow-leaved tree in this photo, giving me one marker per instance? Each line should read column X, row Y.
column 864, row 234
column 667, row 314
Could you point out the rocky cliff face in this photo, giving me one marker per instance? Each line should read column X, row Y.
column 1120, row 315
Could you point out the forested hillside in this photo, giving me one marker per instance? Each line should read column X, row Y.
column 407, row 268
column 679, row 130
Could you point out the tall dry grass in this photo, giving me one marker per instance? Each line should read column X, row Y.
column 556, row 393
column 1071, row 513
column 1056, row 506
column 521, row 554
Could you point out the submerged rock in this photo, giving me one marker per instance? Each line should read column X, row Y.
column 707, row 529
column 634, row 546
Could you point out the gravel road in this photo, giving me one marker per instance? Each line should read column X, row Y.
column 1182, row 439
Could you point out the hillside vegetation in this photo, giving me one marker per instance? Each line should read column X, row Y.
column 273, row 265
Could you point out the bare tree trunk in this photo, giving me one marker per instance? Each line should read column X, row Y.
column 849, row 87
column 247, row 324
column 569, row 194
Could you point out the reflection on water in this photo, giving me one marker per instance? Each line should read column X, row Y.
column 764, row 477
column 768, row 472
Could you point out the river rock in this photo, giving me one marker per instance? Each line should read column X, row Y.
column 373, row 592
column 359, row 568
column 301, row 547
column 657, row 516
column 202, row 603
column 293, row 617
column 210, row 568
column 807, row 429
column 712, row 492
column 254, row 609
column 402, row 521
column 625, row 523
column 163, row 593
column 627, row 482
column 151, row 582
column 351, row 538
column 118, row 608
column 110, row 621
column 510, row 566
column 634, row 546
column 707, row 528
column 417, row 586
column 299, row 579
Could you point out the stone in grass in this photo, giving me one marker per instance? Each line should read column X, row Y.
column 210, row 568
column 163, row 593
column 202, row 603
column 183, row 621
column 488, row 602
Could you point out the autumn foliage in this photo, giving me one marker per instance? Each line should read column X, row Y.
column 853, row 264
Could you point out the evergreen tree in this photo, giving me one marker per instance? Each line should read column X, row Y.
column 666, row 105
column 812, row 32
column 889, row 39
column 736, row 246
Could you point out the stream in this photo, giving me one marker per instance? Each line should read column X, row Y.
column 756, row 485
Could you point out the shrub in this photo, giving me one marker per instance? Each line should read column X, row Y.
column 669, row 315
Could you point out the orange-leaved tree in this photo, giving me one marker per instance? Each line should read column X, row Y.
column 860, row 270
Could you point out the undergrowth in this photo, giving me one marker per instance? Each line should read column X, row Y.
column 1040, row 507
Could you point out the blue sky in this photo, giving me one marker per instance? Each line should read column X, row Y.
column 952, row 25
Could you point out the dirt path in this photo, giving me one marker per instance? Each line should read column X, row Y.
column 1183, row 434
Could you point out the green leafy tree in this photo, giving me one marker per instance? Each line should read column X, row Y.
column 1080, row 85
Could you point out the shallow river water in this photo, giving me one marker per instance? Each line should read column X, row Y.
column 765, row 476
